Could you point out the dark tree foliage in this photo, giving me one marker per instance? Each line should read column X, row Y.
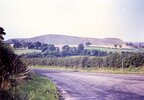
column 73, row 51
column 80, row 48
column 30, row 45
column 88, row 44
column 17, row 45
column 37, row 45
column 66, row 50
column 2, row 33
column 135, row 44
column 50, row 50
column 11, row 70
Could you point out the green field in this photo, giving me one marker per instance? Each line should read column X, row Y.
column 112, row 49
column 26, row 51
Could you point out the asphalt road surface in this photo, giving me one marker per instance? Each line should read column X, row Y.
column 96, row 86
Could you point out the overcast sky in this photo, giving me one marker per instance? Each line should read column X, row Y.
column 88, row 18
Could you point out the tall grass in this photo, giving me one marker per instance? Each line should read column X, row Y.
column 39, row 88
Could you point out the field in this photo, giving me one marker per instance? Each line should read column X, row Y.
column 26, row 51
column 108, row 49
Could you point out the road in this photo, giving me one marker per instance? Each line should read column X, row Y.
column 96, row 86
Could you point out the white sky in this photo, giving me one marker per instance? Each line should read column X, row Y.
column 88, row 18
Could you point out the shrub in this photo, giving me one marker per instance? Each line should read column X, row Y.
column 11, row 70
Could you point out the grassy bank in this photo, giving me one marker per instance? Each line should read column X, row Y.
column 130, row 70
column 39, row 88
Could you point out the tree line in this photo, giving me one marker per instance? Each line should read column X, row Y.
column 50, row 50
column 135, row 44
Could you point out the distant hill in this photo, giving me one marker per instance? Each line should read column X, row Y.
column 71, row 40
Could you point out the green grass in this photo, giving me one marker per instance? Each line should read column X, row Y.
column 26, row 51
column 111, row 49
column 39, row 88
column 130, row 70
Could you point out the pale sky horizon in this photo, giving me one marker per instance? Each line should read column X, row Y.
column 122, row 19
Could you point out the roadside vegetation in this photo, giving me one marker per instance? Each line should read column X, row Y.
column 12, row 69
column 15, row 80
column 39, row 88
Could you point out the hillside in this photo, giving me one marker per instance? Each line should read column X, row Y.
column 71, row 40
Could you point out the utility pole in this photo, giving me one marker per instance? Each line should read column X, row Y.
column 122, row 60
column 99, row 57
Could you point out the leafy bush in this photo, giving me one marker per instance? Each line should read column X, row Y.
column 12, row 70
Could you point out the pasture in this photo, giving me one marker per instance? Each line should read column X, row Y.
column 108, row 49
column 26, row 51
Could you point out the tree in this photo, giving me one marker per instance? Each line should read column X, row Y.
column 80, row 48
column 88, row 44
column 2, row 33
column 30, row 45
column 94, row 52
column 120, row 46
column 17, row 43
column 49, row 47
column 12, row 69
column 50, row 50
column 86, row 52
column 44, row 47
column 73, row 51
column 37, row 45
column 115, row 45
column 65, row 50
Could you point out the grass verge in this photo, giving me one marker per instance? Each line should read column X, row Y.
column 130, row 70
column 39, row 88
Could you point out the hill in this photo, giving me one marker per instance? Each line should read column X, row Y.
column 71, row 40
